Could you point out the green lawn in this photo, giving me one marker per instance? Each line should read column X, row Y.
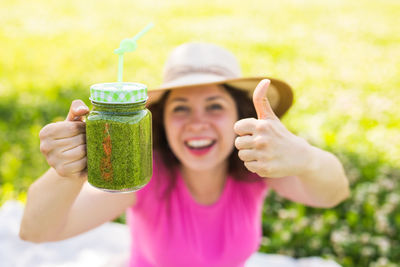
column 341, row 57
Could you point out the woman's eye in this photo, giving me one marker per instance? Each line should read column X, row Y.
column 180, row 109
column 214, row 107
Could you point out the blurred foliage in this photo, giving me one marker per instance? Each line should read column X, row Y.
column 362, row 231
column 341, row 57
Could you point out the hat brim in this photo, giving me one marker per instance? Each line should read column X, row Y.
column 280, row 94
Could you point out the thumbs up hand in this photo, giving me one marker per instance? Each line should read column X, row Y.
column 265, row 145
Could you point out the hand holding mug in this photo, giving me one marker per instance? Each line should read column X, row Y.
column 64, row 143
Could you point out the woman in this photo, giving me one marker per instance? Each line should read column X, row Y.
column 213, row 164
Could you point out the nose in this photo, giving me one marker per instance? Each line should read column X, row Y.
column 197, row 122
column 197, row 126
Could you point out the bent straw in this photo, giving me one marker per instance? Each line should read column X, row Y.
column 128, row 45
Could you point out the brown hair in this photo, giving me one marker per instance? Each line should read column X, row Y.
column 236, row 168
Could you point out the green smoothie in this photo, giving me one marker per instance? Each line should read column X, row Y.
column 119, row 145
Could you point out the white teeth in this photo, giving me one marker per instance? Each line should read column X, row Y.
column 199, row 143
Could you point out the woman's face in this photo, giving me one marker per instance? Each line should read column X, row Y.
column 199, row 126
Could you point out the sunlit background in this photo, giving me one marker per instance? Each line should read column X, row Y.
column 341, row 57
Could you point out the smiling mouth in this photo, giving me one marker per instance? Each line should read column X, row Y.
column 200, row 144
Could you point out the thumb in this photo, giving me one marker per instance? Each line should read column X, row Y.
column 77, row 110
column 260, row 101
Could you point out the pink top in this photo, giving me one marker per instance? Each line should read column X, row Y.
column 177, row 231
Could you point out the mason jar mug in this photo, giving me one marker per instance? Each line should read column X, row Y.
column 119, row 137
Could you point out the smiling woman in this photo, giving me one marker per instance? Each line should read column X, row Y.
column 244, row 109
column 200, row 116
column 217, row 151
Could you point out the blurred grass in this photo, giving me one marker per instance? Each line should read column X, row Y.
column 341, row 57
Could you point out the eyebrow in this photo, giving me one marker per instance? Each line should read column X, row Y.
column 179, row 99
column 214, row 97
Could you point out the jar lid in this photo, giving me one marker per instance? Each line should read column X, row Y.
column 118, row 93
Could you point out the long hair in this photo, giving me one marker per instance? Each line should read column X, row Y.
column 236, row 168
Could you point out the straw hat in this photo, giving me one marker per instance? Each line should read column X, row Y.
column 198, row 64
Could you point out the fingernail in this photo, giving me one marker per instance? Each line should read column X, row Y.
column 80, row 108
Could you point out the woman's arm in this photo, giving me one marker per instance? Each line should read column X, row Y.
column 60, row 204
column 322, row 184
column 294, row 168
column 61, row 207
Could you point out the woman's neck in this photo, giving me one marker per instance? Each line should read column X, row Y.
column 205, row 186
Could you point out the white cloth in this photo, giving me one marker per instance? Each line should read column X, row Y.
column 107, row 245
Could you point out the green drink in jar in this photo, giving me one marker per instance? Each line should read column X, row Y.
column 119, row 137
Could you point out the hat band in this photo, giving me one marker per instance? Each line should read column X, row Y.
column 179, row 71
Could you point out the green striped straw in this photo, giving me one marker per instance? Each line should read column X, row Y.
column 128, row 45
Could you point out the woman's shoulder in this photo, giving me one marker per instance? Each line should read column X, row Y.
column 251, row 183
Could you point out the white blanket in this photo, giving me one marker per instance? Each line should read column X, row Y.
column 107, row 245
